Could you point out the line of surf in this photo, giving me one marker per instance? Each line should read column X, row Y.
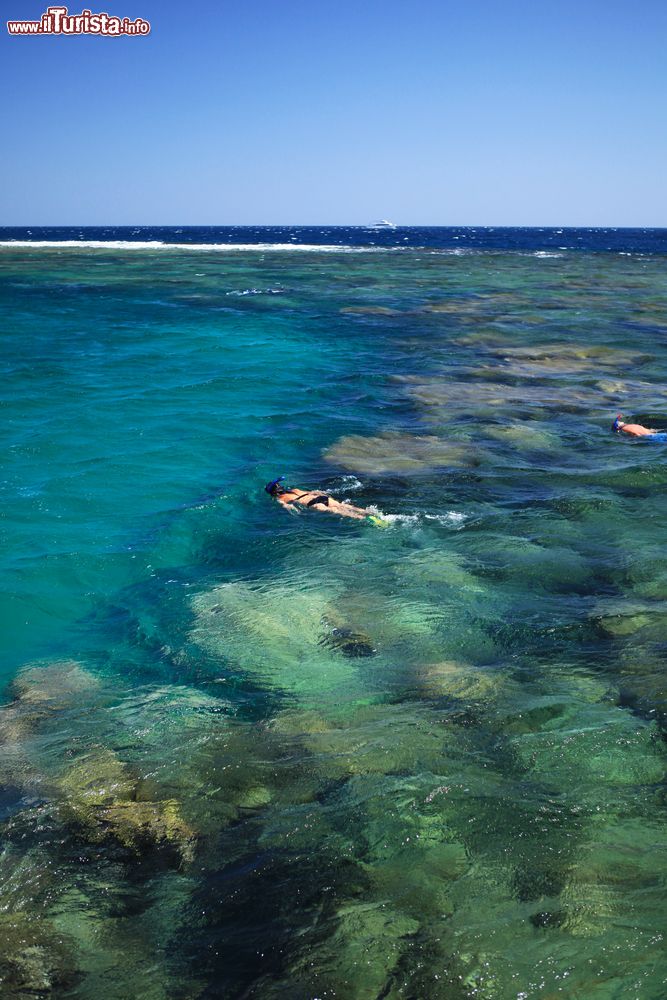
column 160, row 245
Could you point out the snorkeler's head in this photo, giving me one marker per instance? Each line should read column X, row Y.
column 272, row 488
column 617, row 424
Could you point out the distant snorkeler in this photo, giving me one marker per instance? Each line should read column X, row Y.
column 619, row 426
column 290, row 497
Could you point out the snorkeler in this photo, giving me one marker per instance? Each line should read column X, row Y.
column 318, row 501
column 637, row 430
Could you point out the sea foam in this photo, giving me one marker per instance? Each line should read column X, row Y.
column 160, row 245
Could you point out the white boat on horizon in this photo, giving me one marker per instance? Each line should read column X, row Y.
column 382, row 224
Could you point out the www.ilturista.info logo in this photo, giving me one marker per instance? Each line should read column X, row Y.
column 57, row 21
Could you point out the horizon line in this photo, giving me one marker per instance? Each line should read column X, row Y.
column 309, row 225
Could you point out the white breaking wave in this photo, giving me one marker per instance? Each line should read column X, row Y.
column 257, row 291
column 452, row 519
column 84, row 244
column 348, row 483
column 458, row 251
column 219, row 247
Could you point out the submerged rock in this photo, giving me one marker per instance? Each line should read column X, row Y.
column 380, row 739
column 620, row 625
column 348, row 642
column 654, row 588
column 39, row 692
column 519, row 559
column 643, row 684
column 273, row 633
column 55, row 685
column 594, row 354
column 474, row 306
column 440, row 567
column 280, row 615
column 621, row 618
column 34, row 960
column 457, row 680
column 484, row 336
column 100, row 798
column 417, row 879
column 556, row 360
column 408, row 629
column 297, row 723
column 526, row 437
column 392, row 451
column 444, row 396
column 122, row 927
column 371, row 311
column 642, row 393
column 596, row 747
column 357, row 960
column 616, row 865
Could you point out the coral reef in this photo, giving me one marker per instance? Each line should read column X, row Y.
column 393, row 451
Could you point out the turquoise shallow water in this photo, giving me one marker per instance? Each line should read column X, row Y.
column 255, row 754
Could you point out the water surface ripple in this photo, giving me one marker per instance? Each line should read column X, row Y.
column 255, row 754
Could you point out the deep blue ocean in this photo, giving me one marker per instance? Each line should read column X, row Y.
column 257, row 753
column 502, row 238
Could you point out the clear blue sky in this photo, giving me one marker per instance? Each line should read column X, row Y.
column 443, row 112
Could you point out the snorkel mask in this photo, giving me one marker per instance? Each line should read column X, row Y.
column 272, row 487
column 616, row 424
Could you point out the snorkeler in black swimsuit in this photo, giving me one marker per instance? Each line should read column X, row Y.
column 320, row 501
